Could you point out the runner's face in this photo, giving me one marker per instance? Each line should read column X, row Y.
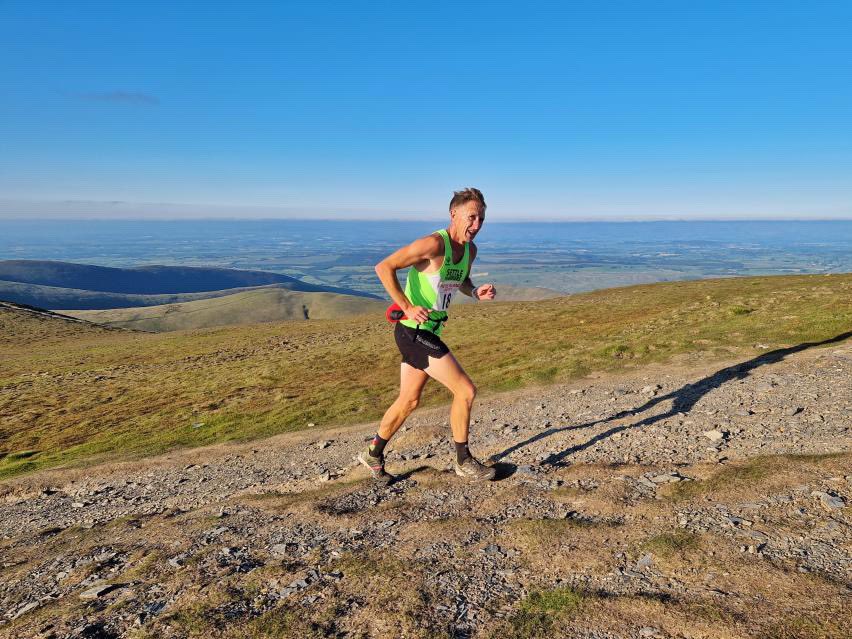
column 468, row 218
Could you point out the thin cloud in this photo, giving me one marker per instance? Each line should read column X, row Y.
column 125, row 97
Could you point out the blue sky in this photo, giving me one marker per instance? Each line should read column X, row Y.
column 587, row 110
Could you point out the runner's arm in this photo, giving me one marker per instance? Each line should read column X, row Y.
column 418, row 252
column 484, row 292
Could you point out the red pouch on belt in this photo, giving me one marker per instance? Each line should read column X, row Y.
column 395, row 313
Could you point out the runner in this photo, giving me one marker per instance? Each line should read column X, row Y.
column 439, row 266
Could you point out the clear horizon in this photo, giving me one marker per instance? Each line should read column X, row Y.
column 423, row 218
column 613, row 111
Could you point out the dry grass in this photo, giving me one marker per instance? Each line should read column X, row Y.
column 755, row 476
column 269, row 304
column 74, row 394
column 669, row 544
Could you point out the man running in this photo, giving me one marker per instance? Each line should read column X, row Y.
column 439, row 266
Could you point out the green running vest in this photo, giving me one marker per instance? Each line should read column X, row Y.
column 435, row 290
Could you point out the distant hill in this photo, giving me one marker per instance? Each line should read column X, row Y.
column 77, row 299
column 268, row 304
column 147, row 280
column 263, row 304
column 49, row 284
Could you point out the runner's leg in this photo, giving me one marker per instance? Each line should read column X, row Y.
column 449, row 372
column 411, row 383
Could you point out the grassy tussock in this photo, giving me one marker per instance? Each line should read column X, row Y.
column 541, row 613
column 808, row 627
column 753, row 475
column 669, row 544
column 287, row 622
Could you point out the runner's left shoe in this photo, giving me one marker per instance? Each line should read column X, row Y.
column 376, row 466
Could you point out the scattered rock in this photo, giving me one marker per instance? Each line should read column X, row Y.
column 99, row 591
column 25, row 609
column 828, row 501
column 715, row 435
column 283, row 550
column 666, row 478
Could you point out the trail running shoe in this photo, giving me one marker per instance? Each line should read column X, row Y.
column 473, row 470
column 376, row 466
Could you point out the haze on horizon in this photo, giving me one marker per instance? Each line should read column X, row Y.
column 175, row 110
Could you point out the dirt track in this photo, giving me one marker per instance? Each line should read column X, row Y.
column 653, row 495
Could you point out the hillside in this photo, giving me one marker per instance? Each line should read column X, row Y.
column 264, row 304
column 23, row 326
column 73, row 299
column 250, row 307
column 97, row 395
column 508, row 293
column 677, row 500
column 66, row 285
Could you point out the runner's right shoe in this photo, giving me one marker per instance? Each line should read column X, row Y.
column 376, row 466
column 474, row 470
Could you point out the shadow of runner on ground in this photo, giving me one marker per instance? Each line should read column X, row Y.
column 503, row 471
column 684, row 399
column 408, row 474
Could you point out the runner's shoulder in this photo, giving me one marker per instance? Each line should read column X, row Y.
column 429, row 246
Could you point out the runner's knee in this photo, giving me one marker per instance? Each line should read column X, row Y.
column 467, row 392
column 409, row 403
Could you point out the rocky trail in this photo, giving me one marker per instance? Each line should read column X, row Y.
column 679, row 501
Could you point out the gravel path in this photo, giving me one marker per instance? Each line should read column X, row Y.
column 75, row 546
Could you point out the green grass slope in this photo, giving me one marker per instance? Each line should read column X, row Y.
column 87, row 396
column 250, row 307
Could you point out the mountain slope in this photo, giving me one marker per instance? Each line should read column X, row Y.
column 148, row 280
column 508, row 293
column 22, row 326
column 262, row 304
column 118, row 394
column 249, row 307
column 55, row 297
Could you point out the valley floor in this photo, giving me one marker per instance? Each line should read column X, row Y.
column 678, row 501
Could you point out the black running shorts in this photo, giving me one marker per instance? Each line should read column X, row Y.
column 417, row 346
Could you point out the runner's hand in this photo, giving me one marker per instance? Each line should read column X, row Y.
column 419, row 314
column 486, row 292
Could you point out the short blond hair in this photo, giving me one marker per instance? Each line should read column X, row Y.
column 464, row 196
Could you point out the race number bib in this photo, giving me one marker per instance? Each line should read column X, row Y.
column 446, row 290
